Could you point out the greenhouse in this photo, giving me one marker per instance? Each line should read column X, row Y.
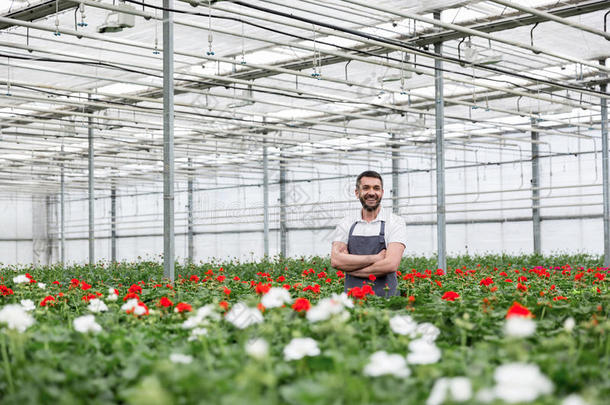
column 179, row 177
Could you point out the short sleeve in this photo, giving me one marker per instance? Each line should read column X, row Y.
column 397, row 231
column 341, row 232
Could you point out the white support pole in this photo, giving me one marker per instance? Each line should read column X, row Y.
column 191, row 247
column 168, row 141
column 91, row 194
column 62, row 211
column 535, row 189
column 604, row 119
column 440, row 155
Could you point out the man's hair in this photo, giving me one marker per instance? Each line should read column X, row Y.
column 369, row 173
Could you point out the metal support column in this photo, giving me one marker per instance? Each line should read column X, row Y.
column 283, row 244
column 91, row 194
column 440, row 155
column 604, row 119
column 113, row 223
column 266, row 198
column 395, row 169
column 190, row 212
column 62, row 211
column 168, row 140
column 535, row 188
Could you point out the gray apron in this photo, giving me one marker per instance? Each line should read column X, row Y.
column 370, row 245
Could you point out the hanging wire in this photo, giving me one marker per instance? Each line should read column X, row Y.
column 210, row 52
column 243, row 45
column 316, row 57
column 156, row 50
column 57, row 33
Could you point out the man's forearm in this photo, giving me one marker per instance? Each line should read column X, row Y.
column 349, row 262
column 380, row 268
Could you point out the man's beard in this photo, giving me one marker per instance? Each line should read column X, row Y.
column 368, row 207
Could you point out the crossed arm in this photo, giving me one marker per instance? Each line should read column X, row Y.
column 384, row 262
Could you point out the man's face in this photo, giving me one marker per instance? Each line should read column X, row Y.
column 369, row 193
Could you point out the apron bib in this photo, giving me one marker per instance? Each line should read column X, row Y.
column 370, row 245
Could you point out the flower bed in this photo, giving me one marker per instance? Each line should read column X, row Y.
column 493, row 328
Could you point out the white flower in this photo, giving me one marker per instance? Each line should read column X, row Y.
column 327, row 307
column 276, row 297
column 96, row 305
column 427, row 331
column 257, row 348
column 346, row 301
column 130, row 305
column 195, row 333
column 458, row 388
column 485, row 395
column 568, row 324
column 242, row 316
column 301, row 347
column 201, row 317
column 423, row 352
column 16, row 317
column 519, row 382
column 86, row 323
column 382, row 363
column 21, row 279
column 139, row 310
column 179, row 358
column 573, row 399
column 28, row 305
column 519, row 326
column 403, row 325
column 42, row 286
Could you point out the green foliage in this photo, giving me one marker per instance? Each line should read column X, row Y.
column 129, row 361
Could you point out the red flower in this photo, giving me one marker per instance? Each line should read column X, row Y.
column 578, row 276
column 504, row 274
column 135, row 289
column 194, row 278
column 281, row 279
column 226, row 291
column 411, row 298
column 494, row 288
column 321, row 275
column 521, row 287
column 165, row 302
column 438, row 283
column 522, row 279
column 450, row 296
column 48, row 300
column 5, row 290
column 55, row 282
column 236, row 278
column 559, row 297
column 183, row 307
column 600, row 276
column 508, row 280
column 518, row 310
column 301, row 304
column 340, row 274
column 486, row 281
column 210, row 272
column 262, row 288
column 89, row 297
column 220, row 279
column 260, row 307
column 287, row 286
column 130, row 296
column 439, row 272
column 361, row 293
column 372, row 277
column 84, row 286
column 74, row 283
column 224, row 305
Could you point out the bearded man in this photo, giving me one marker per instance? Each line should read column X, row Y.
column 368, row 244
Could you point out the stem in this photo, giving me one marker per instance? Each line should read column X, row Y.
column 7, row 366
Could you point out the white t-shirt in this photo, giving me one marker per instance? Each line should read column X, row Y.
column 395, row 227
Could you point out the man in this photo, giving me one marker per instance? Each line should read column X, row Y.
column 370, row 241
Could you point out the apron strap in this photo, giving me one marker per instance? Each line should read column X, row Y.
column 382, row 234
column 351, row 230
